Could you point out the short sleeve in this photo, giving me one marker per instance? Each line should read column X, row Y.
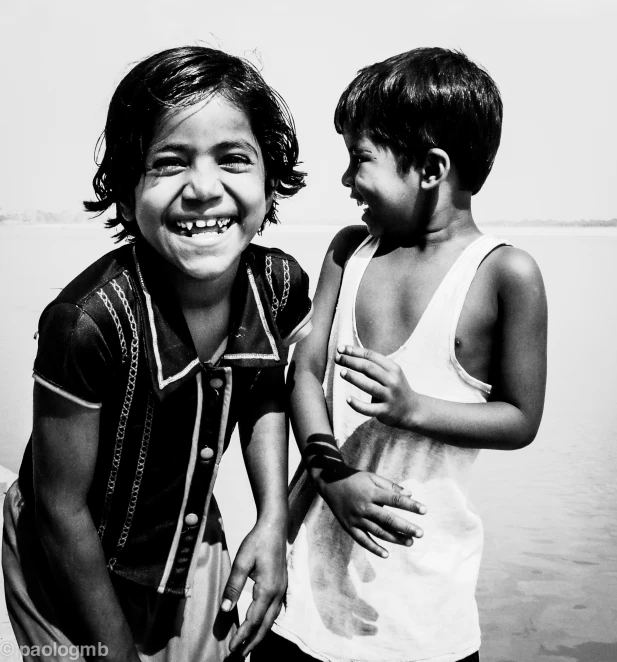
column 292, row 305
column 73, row 358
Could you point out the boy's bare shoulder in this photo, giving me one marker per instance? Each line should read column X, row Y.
column 346, row 241
column 514, row 270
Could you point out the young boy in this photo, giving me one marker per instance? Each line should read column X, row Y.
column 113, row 543
column 430, row 342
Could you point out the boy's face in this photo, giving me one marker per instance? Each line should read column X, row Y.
column 202, row 196
column 389, row 196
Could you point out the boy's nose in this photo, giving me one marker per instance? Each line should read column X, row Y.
column 347, row 179
column 204, row 184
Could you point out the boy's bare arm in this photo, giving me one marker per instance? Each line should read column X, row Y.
column 356, row 498
column 511, row 418
column 261, row 556
column 65, row 444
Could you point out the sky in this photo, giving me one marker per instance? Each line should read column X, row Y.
column 553, row 60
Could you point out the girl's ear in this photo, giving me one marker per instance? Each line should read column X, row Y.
column 270, row 193
column 436, row 168
column 127, row 211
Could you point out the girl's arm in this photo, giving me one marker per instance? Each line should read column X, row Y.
column 511, row 418
column 355, row 498
column 261, row 556
column 65, row 444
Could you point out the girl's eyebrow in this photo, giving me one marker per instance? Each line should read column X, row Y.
column 221, row 147
column 237, row 144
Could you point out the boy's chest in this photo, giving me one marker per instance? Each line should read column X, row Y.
column 394, row 298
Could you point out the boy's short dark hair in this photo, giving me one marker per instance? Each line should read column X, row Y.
column 427, row 98
column 176, row 78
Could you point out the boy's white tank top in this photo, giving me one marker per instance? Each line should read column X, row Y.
column 344, row 603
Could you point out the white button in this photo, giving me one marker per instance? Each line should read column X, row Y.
column 191, row 519
column 206, row 453
column 216, row 382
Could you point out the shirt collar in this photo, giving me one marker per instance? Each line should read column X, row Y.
column 253, row 341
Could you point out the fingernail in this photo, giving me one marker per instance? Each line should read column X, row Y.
column 340, row 349
column 422, row 510
column 226, row 605
column 343, row 372
column 405, row 492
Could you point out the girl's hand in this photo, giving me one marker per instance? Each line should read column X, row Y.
column 262, row 558
column 393, row 402
column 358, row 501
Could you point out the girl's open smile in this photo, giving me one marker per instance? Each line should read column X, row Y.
column 202, row 196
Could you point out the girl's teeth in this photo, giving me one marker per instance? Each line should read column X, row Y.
column 220, row 223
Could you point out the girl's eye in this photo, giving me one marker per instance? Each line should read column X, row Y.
column 167, row 165
column 235, row 162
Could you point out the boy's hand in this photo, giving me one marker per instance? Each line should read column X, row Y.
column 358, row 501
column 392, row 400
column 262, row 558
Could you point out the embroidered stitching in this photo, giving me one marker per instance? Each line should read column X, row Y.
column 124, row 415
column 139, row 473
column 286, row 284
column 114, row 316
column 275, row 300
column 161, row 381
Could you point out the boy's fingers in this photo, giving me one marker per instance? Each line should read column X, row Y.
column 363, row 366
column 367, row 354
column 366, row 408
column 365, row 384
column 364, row 540
column 394, row 524
column 396, row 538
column 401, row 501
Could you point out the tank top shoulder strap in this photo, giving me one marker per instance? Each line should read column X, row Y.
column 465, row 271
column 354, row 269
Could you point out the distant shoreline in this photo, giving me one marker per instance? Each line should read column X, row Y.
column 97, row 222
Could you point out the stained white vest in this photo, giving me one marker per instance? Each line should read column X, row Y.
column 344, row 603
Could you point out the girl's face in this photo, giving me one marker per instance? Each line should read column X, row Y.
column 202, row 196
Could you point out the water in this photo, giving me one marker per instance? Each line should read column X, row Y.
column 548, row 583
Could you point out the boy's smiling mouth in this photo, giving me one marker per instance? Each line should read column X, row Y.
column 216, row 225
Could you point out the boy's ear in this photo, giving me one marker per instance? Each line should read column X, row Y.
column 436, row 168
column 127, row 211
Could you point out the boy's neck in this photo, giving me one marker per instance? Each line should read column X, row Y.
column 448, row 217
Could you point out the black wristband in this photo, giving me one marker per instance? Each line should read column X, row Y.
column 321, row 452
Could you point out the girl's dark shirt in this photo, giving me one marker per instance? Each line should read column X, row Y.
column 115, row 339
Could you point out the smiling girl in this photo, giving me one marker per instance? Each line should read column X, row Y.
column 146, row 363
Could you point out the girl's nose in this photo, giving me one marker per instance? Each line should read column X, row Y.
column 204, row 184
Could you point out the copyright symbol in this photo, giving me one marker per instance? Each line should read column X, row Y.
column 6, row 648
